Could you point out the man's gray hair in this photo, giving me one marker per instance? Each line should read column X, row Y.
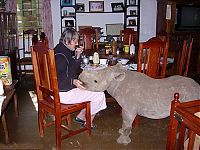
column 68, row 35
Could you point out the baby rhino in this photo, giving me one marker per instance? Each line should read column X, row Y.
column 139, row 94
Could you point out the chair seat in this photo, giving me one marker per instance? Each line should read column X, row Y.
column 25, row 61
column 49, row 104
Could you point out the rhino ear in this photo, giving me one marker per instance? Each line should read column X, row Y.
column 118, row 65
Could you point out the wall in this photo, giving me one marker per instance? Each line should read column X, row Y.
column 148, row 12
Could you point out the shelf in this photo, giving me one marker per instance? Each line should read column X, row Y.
column 109, row 12
column 128, row 16
column 131, row 6
column 132, row 16
column 68, row 17
column 132, row 25
column 69, row 6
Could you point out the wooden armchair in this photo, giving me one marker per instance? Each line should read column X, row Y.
column 48, row 96
column 182, row 119
column 89, row 36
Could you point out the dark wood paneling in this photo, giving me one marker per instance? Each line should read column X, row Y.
column 161, row 13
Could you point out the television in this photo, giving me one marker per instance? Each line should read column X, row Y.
column 187, row 18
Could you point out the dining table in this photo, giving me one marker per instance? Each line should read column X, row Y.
column 7, row 97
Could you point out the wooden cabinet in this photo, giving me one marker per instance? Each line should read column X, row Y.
column 8, row 39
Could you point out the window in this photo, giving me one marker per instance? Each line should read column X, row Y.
column 28, row 15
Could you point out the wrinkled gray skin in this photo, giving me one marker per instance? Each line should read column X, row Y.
column 139, row 94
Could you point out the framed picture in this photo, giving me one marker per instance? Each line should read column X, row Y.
column 96, row 6
column 117, row 7
column 71, row 14
column 132, row 2
column 133, row 12
column 69, row 23
column 131, row 22
column 80, row 7
column 66, row 2
column 65, row 13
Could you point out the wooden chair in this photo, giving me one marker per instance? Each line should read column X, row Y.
column 89, row 36
column 152, row 58
column 128, row 36
column 182, row 118
column 30, row 38
column 44, row 39
column 184, row 60
column 48, row 96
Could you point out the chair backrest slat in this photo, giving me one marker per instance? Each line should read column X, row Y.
column 185, row 57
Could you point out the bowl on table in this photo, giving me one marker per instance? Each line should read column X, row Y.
column 123, row 61
column 103, row 61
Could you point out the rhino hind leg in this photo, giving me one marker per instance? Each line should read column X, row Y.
column 125, row 131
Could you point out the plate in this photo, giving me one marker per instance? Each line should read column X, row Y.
column 123, row 61
column 132, row 67
column 94, row 67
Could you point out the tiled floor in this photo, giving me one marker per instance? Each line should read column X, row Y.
column 24, row 134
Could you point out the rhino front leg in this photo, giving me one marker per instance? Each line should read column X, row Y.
column 125, row 131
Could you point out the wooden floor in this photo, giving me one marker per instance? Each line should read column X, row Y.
column 24, row 133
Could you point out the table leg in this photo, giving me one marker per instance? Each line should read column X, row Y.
column 3, row 119
column 15, row 102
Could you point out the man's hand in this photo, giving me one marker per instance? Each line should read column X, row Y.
column 79, row 51
column 78, row 84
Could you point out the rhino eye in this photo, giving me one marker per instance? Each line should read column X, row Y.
column 95, row 81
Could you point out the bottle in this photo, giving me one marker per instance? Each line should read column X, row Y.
column 107, row 49
column 132, row 49
column 126, row 49
column 96, row 58
column 114, row 46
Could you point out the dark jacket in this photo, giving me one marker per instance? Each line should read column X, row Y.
column 66, row 66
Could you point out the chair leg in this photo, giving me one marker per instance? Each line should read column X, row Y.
column 5, row 128
column 69, row 121
column 58, row 132
column 88, row 118
column 16, row 108
column 41, row 123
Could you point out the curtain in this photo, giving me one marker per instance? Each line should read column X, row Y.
column 47, row 21
column 11, row 6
